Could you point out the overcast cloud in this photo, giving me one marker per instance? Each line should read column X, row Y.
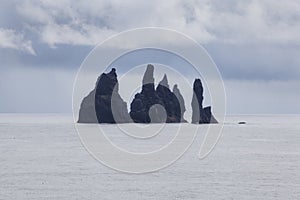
column 255, row 43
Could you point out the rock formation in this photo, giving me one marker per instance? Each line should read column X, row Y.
column 155, row 106
column 87, row 113
column 200, row 115
column 142, row 102
column 169, row 100
column 107, row 105
column 161, row 105
column 180, row 98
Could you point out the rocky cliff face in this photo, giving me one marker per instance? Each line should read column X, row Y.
column 200, row 115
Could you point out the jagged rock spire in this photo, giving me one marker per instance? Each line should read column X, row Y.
column 148, row 76
column 164, row 81
column 150, row 98
column 180, row 98
column 104, row 104
column 200, row 115
column 148, row 80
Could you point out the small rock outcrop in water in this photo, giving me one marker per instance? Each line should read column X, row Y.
column 104, row 104
column 200, row 115
column 155, row 106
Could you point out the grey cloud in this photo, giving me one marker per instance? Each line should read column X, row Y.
column 256, row 61
column 8, row 15
column 252, row 42
column 62, row 57
column 89, row 22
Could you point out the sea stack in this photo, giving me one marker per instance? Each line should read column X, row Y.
column 87, row 112
column 169, row 100
column 155, row 106
column 104, row 104
column 180, row 98
column 152, row 105
column 200, row 115
column 143, row 101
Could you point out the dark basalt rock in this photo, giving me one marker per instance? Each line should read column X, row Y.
column 87, row 113
column 169, row 100
column 147, row 98
column 200, row 115
column 107, row 105
column 207, row 116
column 180, row 98
column 155, row 106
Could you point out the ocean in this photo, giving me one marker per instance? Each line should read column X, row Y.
column 42, row 157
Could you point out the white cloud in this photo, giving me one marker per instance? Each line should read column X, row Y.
column 89, row 22
column 258, row 21
column 53, row 34
column 11, row 39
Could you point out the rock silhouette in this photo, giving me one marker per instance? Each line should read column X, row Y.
column 169, row 100
column 200, row 115
column 180, row 98
column 87, row 113
column 143, row 101
column 104, row 104
column 162, row 104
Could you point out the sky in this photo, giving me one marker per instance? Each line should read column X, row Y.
column 254, row 43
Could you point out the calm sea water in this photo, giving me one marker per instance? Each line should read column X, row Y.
column 42, row 158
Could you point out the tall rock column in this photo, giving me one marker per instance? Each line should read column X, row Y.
column 180, row 98
column 143, row 101
column 104, row 104
column 109, row 106
column 200, row 115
